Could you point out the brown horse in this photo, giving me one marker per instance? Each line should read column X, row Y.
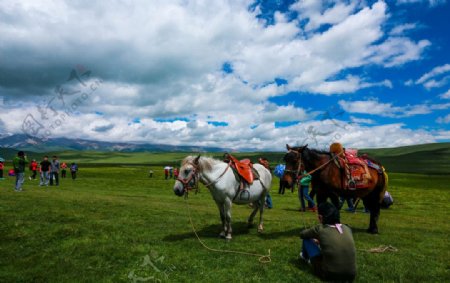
column 327, row 180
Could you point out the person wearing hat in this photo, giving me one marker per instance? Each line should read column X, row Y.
column 20, row 163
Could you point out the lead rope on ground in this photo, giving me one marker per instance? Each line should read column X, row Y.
column 381, row 249
column 261, row 258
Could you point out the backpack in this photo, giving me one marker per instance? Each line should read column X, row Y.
column 388, row 200
column 279, row 170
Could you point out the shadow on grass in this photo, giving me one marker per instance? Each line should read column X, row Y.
column 291, row 209
column 301, row 265
column 210, row 231
column 275, row 235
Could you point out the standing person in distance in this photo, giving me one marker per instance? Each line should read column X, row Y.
column 45, row 171
column 303, row 190
column 33, row 168
column 73, row 170
column 63, row 170
column 54, row 175
column 2, row 167
column 20, row 163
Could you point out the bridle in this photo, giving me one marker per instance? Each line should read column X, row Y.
column 296, row 173
column 195, row 175
column 186, row 182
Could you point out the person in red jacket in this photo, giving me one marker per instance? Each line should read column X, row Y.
column 33, row 168
column 2, row 166
column 63, row 170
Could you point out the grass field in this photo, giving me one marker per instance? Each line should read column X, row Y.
column 114, row 224
column 425, row 158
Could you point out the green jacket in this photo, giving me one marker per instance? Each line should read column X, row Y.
column 305, row 180
column 20, row 164
column 338, row 250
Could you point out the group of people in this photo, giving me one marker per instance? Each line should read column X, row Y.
column 48, row 170
column 329, row 246
column 303, row 188
column 170, row 172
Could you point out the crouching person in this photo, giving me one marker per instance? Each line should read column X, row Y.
column 329, row 247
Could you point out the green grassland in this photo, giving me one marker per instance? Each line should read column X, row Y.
column 115, row 224
column 427, row 158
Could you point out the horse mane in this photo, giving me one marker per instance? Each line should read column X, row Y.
column 205, row 163
column 311, row 154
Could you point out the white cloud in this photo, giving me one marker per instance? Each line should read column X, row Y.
column 362, row 120
column 318, row 16
column 435, row 78
column 443, row 120
column 396, row 51
column 373, row 107
column 433, row 73
column 431, row 3
column 401, row 29
column 164, row 59
column 442, row 135
column 445, row 95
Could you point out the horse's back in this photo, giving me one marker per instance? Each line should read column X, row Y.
column 264, row 175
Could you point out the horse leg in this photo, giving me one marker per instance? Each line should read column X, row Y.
column 222, row 218
column 371, row 203
column 227, row 213
column 374, row 213
column 252, row 215
column 321, row 197
column 261, row 211
column 335, row 200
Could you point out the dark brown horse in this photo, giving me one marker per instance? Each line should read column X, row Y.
column 327, row 180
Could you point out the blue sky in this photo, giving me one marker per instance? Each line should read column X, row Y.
column 234, row 74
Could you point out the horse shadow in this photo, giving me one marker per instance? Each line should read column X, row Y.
column 279, row 234
column 239, row 228
column 209, row 231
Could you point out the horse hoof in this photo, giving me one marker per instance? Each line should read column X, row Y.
column 228, row 237
column 249, row 224
column 260, row 229
column 222, row 234
column 372, row 231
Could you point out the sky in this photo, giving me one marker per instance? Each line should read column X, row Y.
column 234, row 74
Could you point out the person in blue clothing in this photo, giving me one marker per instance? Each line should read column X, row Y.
column 279, row 171
column 303, row 190
column 73, row 170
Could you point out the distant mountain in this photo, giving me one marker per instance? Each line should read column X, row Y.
column 23, row 142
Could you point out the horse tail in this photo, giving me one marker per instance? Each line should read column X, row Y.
column 385, row 184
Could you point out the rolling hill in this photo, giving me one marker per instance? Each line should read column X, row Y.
column 425, row 158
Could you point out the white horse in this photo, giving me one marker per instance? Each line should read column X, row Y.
column 225, row 189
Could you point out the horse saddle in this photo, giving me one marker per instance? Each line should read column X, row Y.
column 357, row 175
column 264, row 162
column 243, row 168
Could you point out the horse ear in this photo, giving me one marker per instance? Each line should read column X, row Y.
column 305, row 146
column 197, row 159
column 288, row 147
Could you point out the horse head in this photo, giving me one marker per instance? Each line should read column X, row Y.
column 293, row 160
column 187, row 176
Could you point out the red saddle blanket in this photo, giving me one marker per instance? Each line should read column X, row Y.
column 357, row 173
column 244, row 169
column 352, row 157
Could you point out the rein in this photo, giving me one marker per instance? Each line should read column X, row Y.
column 218, row 178
column 315, row 169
